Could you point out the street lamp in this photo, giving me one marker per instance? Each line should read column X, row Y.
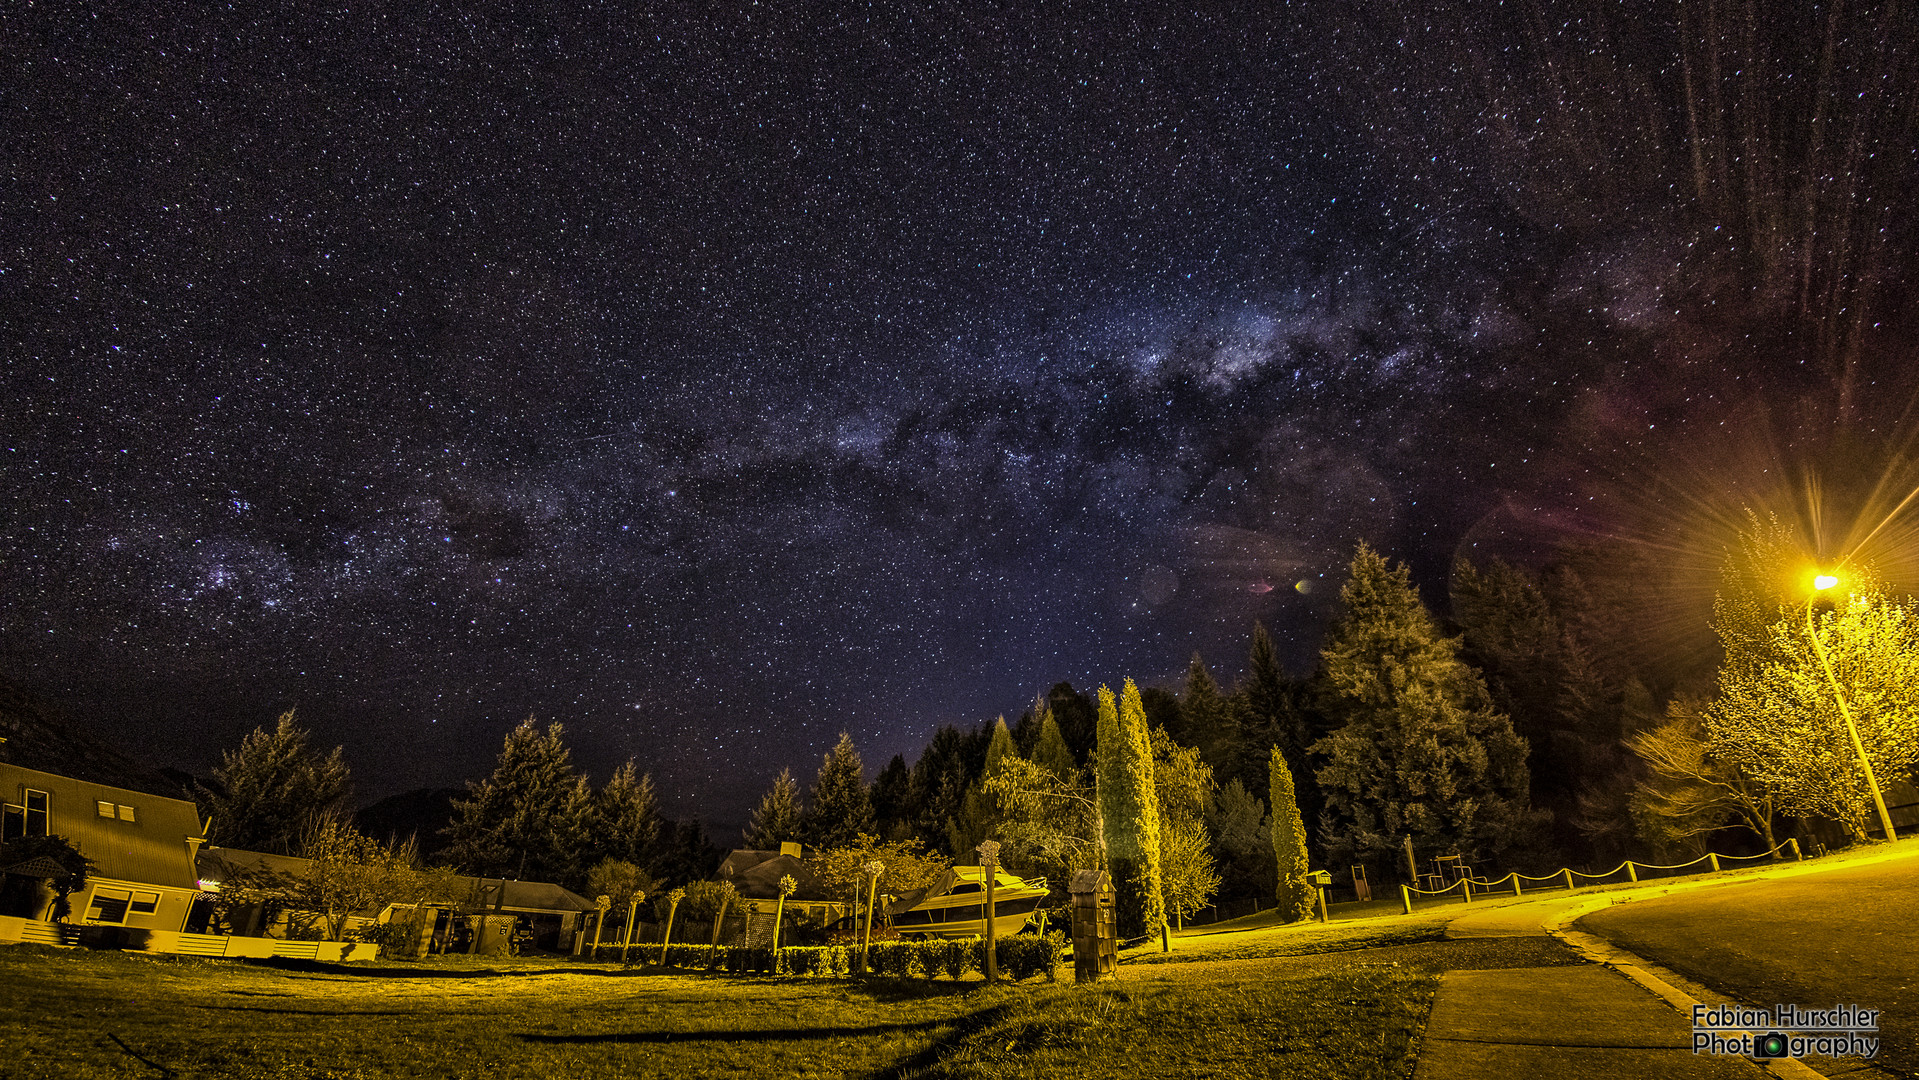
column 1820, row 584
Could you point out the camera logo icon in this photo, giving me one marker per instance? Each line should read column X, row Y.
column 1770, row 1045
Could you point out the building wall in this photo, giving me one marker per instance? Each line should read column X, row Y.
column 98, row 901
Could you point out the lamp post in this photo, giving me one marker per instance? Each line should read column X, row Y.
column 1821, row 584
column 989, row 862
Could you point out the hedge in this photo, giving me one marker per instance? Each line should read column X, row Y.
column 1020, row 957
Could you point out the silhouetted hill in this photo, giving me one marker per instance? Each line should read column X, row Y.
column 420, row 813
column 40, row 735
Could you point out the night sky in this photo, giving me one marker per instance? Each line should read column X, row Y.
column 711, row 380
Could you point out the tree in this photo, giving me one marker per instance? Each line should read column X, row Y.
column 1690, row 792
column 1129, row 812
column 1420, row 750
column 64, row 870
column 841, row 808
column 979, row 813
column 1183, row 791
column 1242, row 842
column 892, row 796
column 627, row 815
column 523, row 820
column 778, row 817
column 274, row 787
column 1289, row 845
column 1542, row 676
column 1050, row 751
column 1777, row 719
column 908, row 866
column 1074, row 713
column 1049, row 824
column 351, row 874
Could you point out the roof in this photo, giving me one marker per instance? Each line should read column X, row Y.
column 756, row 876
column 155, row 848
column 476, row 893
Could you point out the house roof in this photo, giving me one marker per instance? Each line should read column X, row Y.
column 756, row 875
column 155, row 848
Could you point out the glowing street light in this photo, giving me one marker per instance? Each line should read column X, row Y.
column 1820, row 584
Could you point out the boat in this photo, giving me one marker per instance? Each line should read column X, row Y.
column 954, row 906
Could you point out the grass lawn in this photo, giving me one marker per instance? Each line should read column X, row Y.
column 1293, row 1002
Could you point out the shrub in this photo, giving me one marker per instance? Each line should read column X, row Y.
column 895, row 959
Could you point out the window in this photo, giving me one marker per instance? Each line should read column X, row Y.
column 109, row 905
column 144, row 903
column 36, row 815
column 104, row 807
column 126, row 812
column 13, row 823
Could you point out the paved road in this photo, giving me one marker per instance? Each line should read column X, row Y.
column 1848, row 936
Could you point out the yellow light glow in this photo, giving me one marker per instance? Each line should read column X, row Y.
column 1824, row 582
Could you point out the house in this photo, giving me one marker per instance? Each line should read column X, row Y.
column 756, row 877
column 142, row 846
column 483, row 917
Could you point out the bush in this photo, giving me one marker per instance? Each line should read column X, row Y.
column 394, row 938
column 1027, row 955
column 896, row 959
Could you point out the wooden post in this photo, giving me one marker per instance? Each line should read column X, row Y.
column 1630, row 871
column 1712, row 859
column 1794, row 841
column 989, row 861
column 1406, row 899
column 1515, row 883
column 602, row 904
column 713, row 950
column 1568, row 872
column 672, row 908
column 787, row 888
column 873, row 870
column 1321, row 890
column 632, row 916
column 1412, row 864
column 1466, row 889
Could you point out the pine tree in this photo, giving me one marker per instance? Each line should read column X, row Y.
column 1050, row 752
column 1242, row 842
column 979, row 814
column 520, row 821
column 1289, row 845
column 1420, row 750
column 1272, row 716
column 628, row 816
column 273, row 788
column 778, row 818
column 892, row 796
column 841, row 808
column 1130, row 813
column 1208, row 714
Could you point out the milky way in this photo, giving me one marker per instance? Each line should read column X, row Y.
column 714, row 382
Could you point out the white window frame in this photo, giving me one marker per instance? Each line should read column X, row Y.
column 45, row 812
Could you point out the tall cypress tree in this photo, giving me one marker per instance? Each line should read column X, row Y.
column 521, row 821
column 841, row 808
column 778, row 817
column 1289, row 844
column 1129, row 811
column 1421, row 751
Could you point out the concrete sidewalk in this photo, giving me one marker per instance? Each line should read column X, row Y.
column 1618, row 1016
column 1560, row 1022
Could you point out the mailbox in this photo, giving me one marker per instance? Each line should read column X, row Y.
column 1095, row 926
column 1319, row 878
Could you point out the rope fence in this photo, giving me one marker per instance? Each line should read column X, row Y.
column 1563, row 878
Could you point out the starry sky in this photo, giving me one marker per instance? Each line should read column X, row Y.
column 713, row 379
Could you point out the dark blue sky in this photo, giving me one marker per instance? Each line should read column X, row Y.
column 711, row 380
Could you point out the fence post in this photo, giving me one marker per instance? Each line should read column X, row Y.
column 1406, row 899
column 1568, row 873
column 1515, row 883
column 1630, row 872
column 1794, row 841
column 1713, row 858
column 1466, row 889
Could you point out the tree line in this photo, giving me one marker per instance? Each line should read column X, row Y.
column 1516, row 734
